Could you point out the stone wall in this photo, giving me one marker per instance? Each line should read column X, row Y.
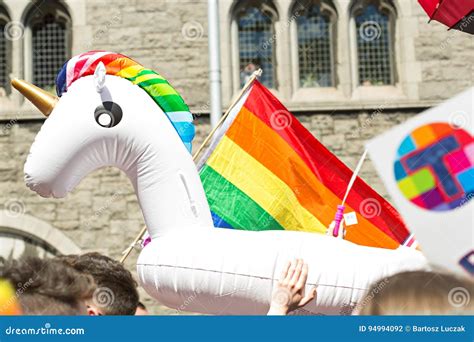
column 445, row 59
column 167, row 36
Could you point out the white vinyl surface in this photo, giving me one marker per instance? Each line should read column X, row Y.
column 225, row 271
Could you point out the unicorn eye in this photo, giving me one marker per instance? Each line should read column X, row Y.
column 108, row 114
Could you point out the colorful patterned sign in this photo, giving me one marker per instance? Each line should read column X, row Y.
column 435, row 167
column 426, row 164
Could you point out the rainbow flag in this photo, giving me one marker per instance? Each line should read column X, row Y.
column 264, row 171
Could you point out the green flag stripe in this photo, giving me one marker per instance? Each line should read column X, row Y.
column 233, row 205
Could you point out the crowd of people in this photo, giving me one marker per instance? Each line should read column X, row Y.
column 94, row 284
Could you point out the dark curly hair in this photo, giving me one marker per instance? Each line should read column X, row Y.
column 48, row 287
column 112, row 279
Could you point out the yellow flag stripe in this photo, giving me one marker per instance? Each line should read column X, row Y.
column 260, row 184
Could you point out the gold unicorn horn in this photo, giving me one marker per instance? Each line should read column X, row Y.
column 42, row 100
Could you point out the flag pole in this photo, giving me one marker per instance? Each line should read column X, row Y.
column 252, row 78
column 129, row 249
column 340, row 208
column 247, row 85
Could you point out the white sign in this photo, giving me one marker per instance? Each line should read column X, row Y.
column 350, row 219
column 427, row 165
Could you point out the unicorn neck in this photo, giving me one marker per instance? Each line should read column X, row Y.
column 170, row 192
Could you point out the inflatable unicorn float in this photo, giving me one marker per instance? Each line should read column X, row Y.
column 112, row 111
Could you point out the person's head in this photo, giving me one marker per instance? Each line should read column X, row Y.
column 116, row 292
column 48, row 287
column 419, row 293
column 141, row 310
column 250, row 68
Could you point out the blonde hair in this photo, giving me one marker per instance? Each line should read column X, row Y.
column 419, row 293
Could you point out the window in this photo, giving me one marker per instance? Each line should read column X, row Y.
column 315, row 22
column 16, row 246
column 256, row 36
column 5, row 51
column 50, row 42
column 375, row 27
column 22, row 235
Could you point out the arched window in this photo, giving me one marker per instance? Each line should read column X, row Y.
column 17, row 246
column 256, row 35
column 50, row 27
column 22, row 235
column 375, row 29
column 315, row 27
column 5, row 52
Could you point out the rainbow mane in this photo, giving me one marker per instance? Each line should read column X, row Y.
column 153, row 83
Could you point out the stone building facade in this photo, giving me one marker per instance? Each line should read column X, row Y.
column 102, row 214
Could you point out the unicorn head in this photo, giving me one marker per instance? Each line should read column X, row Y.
column 112, row 111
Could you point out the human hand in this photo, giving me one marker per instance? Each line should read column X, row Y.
column 342, row 230
column 289, row 294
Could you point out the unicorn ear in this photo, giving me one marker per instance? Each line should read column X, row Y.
column 99, row 77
